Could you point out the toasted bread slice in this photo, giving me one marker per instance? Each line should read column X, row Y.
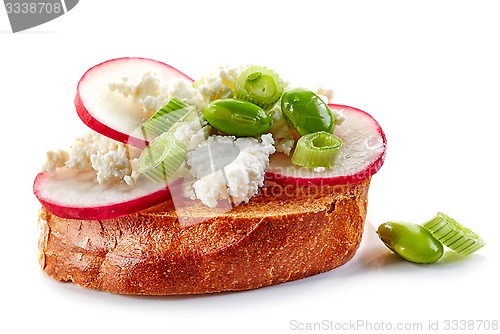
column 283, row 234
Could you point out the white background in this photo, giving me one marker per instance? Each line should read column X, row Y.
column 428, row 71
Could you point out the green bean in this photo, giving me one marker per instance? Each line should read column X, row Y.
column 411, row 241
column 237, row 117
column 306, row 112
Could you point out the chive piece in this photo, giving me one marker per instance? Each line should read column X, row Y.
column 454, row 235
column 162, row 157
column 259, row 85
column 317, row 149
column 163, row 120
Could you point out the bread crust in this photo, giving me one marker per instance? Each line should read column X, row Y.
column 281, row 235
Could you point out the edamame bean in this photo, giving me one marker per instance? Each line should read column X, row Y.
column 237, row 117
column 306, row 112
column 411, row 241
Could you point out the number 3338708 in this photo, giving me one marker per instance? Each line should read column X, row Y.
column 33, row 7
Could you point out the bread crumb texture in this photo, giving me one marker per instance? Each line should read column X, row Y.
column 183, row 247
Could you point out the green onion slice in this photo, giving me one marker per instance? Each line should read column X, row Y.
column 454, row 235
column 174, row 112
column 259, row 85
column 162, row 157
column 317, row 149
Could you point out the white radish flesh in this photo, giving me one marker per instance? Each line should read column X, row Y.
column 77, row 195
column 110, row 113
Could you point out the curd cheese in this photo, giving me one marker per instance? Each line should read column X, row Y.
column 193, row 133
column 55, row 159
column 152, row 93
column 240, row 179
column 150, row 85
column 111, row 160
column 219, row 83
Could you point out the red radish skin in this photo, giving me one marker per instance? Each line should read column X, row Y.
column 66, row 205
column 90, row 116
column 287, row 174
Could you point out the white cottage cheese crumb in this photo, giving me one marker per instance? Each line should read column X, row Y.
column 240, row 179
column 192, row 133
column 152, row 93
column 219, row 83
column 211, row 188
column 325, row 94
column 184, row 91
column 150, row 85
column 110, row 159
column 55, row 159
column 84, row 147
column 339, row 116
column 132, row 178
column 111, row 166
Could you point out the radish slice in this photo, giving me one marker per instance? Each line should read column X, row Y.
column 77, row 195
column 361, row 156
column 110, row 113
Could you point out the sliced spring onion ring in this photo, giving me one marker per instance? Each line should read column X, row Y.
column 162, row 157
column 259, row 85
column 454, row 235
column 317, row 149
column 174, row 112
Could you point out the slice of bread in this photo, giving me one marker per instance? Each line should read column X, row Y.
column 283, row 234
